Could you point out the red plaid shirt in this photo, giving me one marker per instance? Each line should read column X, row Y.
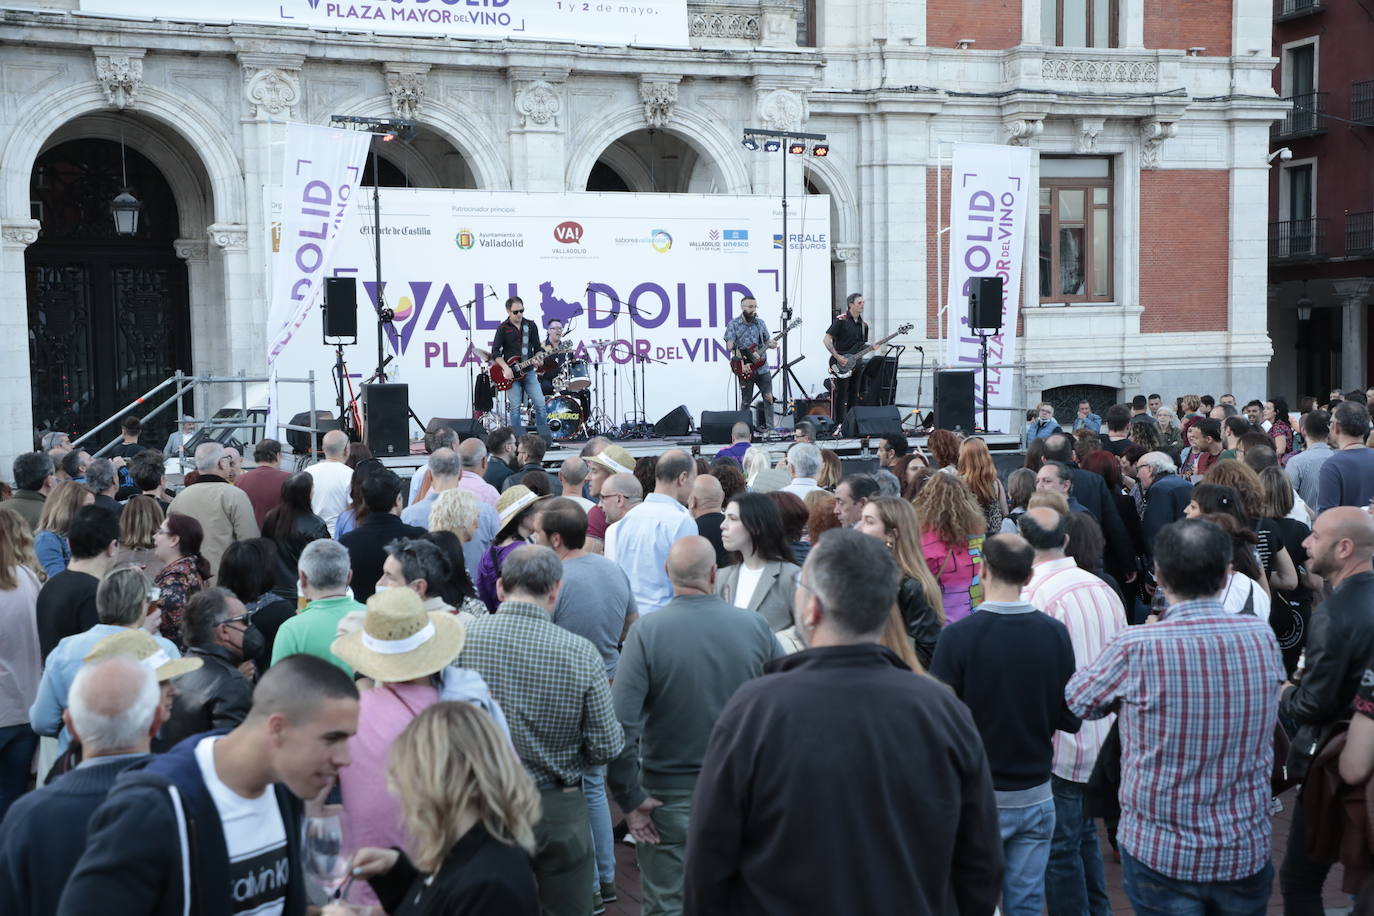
column 1197, row 698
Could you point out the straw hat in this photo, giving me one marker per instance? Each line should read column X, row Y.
column 614, row 459
column 513, row 502
column 399, row 640
column 768, row 480
column 143, row 647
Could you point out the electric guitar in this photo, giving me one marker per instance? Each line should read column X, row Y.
column 503, row 380
column 748, row 360
column 854, row 357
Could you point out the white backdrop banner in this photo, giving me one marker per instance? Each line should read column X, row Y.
column 660, row 275
column 661, row 23
column 990, row 199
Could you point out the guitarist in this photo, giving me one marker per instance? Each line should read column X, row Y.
column 846, row 340
column 745, row 331
column 517, row 339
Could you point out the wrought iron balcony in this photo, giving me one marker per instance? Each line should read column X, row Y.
column 1362, row 103
column 1305, row 118
column 1292, row 9
column 1297, row 240
column 1359, row 234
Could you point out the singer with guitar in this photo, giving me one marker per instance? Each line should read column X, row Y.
column 517, row 342
column 747, row 337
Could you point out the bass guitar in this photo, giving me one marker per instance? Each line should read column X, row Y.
column 855, row 359
column 503, row 380
column 748, row 360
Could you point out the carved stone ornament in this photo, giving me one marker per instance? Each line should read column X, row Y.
column 659, row 97
column 120, row 75
column 847, row 253
column 1130, row 381
column 407, row 91
column 193, row 249
column 1153, row 133
column 1022, row 130
column 20, row 232
column 1035, row 384
column 229, row 235
column 723, row 23
column 1099, row 70
column 782, row 109
column 1086, row 132
column 538, row 103
column 272, row 92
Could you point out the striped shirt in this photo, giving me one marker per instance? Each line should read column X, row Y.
column 1093, row 613
column 1198, row 698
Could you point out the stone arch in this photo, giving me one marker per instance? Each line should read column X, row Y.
column 626, row 165
column 704, row 135
column 844, row 210
column 184, row 143
column 488, row 169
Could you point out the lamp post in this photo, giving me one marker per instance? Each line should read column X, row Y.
column 125, row 208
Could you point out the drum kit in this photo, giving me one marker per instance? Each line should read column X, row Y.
column 567, row 408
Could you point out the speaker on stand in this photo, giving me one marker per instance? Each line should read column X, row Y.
column 340, row 316
column 985, row 320
column 386, row 416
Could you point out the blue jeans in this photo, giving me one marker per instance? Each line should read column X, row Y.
column 528, row 387
column 599, row 813
column 1075, row 882
column 17, row 745
column 1153, row 894
column 1026, row 835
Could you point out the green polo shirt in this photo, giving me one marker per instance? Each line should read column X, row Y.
column 312, row 631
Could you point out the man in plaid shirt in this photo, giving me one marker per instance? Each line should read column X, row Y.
column 552, row 686
column 1196, row 696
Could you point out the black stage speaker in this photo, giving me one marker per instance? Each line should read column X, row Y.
column 716, row 424
column 341, row 307
column 879, row 381
column 386, row 417
column 676, row 422
column 810, row 408
column 954, row 399
column 872, row 421
column 299, row 441
column 985, row 303
column 466, row 428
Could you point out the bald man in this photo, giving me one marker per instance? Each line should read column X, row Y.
column 1340, row 649
column 572, row 474
column 333, row 478
column 706, row 507
column 690, row 657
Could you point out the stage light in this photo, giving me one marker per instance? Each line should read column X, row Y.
column 820, row 150
column 796, row 148
column 751, row 144
column 772, row 146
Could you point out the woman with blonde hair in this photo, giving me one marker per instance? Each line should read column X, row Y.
column 50, row 542
column 952, row 531
column 894, row 522
column 756, row 461
column 977, row 470
column 468, row 809
column 137, row 524
column 455, row 510
column 831, row 470
column 20, row 657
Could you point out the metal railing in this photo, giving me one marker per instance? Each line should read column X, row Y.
column 1359, row 233
column 1305, row 117
column 1362, row 102
column 1292, row 9
column 1297, row 239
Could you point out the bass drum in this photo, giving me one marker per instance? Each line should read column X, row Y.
column 565, row 417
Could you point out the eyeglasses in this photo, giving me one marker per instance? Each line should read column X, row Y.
column 245, row 619
column 517, row 311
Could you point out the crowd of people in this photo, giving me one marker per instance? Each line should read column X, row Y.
column 271, row 691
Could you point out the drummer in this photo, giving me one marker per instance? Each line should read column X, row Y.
column 555, row 363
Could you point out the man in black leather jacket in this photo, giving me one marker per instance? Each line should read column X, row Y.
column 1340, row 645
column 218, row 695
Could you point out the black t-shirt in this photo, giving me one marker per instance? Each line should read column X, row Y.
column 66, row 606
column 128, row 450
column 847, row 333
column 1116, row 446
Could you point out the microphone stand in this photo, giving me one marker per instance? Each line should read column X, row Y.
column 472, row 379
column 638, row 387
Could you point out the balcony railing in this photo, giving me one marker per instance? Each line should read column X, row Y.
column 1362, row 103
column 1297, row 240
column 1292, row 9
column 1306, row 116
column 1359, row 234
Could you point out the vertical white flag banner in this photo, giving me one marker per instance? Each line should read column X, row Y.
column 990, row 195
column 322, row 168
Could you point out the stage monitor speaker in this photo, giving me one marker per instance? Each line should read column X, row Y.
column 299, row 441
column 879, row 381
column 466, row 428
column 872, row 421
column 341, row 307
column 716, row 425
column 677, row 422
column 386, row 417
column 809, row 408
column 954, row 400
column 985, row 303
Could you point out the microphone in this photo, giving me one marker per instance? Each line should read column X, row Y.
column 922, row 349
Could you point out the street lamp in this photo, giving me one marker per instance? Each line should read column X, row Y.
column 125, row 208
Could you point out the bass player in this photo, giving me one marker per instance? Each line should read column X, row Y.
column 846, row 340
column 747, row 337
column 516, row 340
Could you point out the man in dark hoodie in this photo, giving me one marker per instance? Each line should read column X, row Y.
column 840, row 754
column 222, row 811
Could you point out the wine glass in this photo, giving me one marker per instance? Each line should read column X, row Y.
column 325, row 857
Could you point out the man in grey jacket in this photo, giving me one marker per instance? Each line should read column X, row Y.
column 678, row 668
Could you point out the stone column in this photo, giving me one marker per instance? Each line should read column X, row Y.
column 206, row 292
column 16, row 389
column 539, row 132
column 242, row 344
